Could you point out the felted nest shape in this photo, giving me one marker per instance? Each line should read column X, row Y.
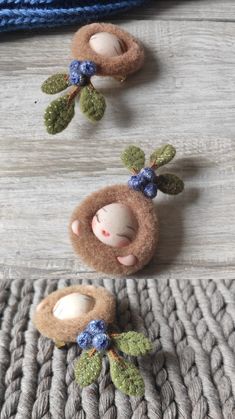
column 67, row 330
column 129, row 62
column 100, row 256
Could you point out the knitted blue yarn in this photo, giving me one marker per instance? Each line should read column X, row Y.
column 29, row 14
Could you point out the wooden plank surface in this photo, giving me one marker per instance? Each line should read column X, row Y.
column 184, row 96
column 218, row 10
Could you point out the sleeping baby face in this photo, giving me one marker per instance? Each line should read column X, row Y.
column 115, row 225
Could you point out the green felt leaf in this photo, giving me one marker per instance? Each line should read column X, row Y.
column 59, row 114
column 163, row 155
column 55, row 84
column 170, row 184
column 132, row 343
column 133, row 158
column 126, row 377
column 87, row 368
column 92, row 103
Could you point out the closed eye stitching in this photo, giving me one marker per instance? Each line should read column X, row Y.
column 124, row 235
column 132, row 228
column 121, row 46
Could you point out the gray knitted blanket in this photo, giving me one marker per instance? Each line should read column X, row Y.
column 190, row 374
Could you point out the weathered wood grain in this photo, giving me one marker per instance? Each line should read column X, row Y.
column 216, row 10
column 184, row 95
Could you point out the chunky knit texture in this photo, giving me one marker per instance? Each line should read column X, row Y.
column 29, row 14
column 190, row 373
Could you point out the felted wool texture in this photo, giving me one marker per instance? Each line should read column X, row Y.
column 98, row 255
column 121, row 65
column 67, row 330
column 189, row 318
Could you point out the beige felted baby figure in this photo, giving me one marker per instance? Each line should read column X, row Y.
column 83, row 315
column 98, row 49
column 115, row 51
column 115, row 230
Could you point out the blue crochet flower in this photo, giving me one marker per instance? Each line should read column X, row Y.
column 84, row 340
column 148, row 174
column 96, row 326
column 88, row 68
column 134, row 183
column 74, row 77
column 144, row 182
column 101, row 342
column 150, row 190
column 75, row 66
column 80, row 72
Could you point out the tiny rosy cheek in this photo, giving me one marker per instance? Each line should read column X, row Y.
column 123, row 243
column 105, row 233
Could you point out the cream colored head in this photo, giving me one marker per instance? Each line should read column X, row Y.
column 107, row 44
column 115, row 225
column 72, row 306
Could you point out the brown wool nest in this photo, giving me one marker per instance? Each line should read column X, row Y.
column 98, row 255
column 122, row 65
column 67, row 330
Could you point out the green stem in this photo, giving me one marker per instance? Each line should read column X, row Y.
column 92, row 352
column 113, row 355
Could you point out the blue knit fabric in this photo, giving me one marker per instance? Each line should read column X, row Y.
column 29, row 14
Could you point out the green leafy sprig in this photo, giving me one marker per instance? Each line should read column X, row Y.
column 134, row 159
column 125, row 375
column 61, row 111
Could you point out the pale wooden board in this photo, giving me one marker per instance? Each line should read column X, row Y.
column 184, row 95
column 218, row 10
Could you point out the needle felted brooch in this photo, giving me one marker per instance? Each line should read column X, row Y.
column 99, row 49
column 115, row 230
column 83, row 314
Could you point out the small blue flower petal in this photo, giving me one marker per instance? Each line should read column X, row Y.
column 74, row 78
column 88, row 68
column 150, row 190
column 148, row 174
column 96, row 326
column 84, row 340
column 75, row 66
column 101, row 342
column 142, row 181
column 135, row 183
